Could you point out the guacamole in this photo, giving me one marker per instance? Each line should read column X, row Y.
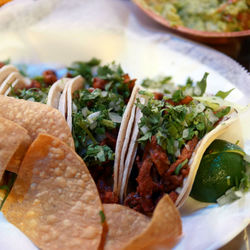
column 204, row 15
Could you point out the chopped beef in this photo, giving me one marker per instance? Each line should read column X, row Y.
column 99, row 83
column 34, row 84
column 159, row 156
column 106, row 193
column 156, row 176
column 186, row 153
column 158, row 96
column 127, row 80
column 49, row 77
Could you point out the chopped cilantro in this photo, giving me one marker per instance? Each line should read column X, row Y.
column 156, row 83
column 202, row 84
column 91, row 121
column 223, row 112
column 98, row 154
column 179, row 167
column 85, row 69
column 222, row 94
column 175, row 125
column 33, row 94
column 102, row 215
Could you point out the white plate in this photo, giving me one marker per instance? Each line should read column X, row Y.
column 116, row 31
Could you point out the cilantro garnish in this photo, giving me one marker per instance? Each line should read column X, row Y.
column 91, row 121
column 102, row 215
column 202, row 84
column 222, row 94
column 98, row 153
column 85, row 69
column 173, row 125
column 33, row 94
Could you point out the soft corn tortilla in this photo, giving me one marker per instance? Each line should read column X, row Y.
column 118, row 168
column 17, row 84
column 5, row 71
column 55, row 92
column 54, row 200
column 194, row 162
column 11, row 78
column 14, row 141
column 74, row 85
column 36, row 118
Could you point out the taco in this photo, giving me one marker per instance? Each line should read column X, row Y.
column 99, row 116
column 170, row 134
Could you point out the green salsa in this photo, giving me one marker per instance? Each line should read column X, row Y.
column 204, row 15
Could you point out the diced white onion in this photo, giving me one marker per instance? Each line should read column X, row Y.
column 74, row 107
column 32, row 99
column 144, row 129
column 104, row 93
column 187, row 146
column 93, row 117
column 185, row 133
column 177, row 153
column 197, row 91
column 200, row 107
column 115, row 117
column 85, row 111
column 93, row 125
column 176, row 143
column 188, row 91
column 211, row 116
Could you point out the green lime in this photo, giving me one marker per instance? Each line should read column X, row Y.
column 223, row 146
column 219, row 170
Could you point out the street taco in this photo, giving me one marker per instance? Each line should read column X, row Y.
column 99, row 116
column 171, row 132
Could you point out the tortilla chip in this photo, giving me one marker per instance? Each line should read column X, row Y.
column 14, row 141
column 123, row 224
column 164, row 230
column 36, row 118
column 54, row 200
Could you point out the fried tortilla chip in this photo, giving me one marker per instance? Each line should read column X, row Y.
column 14, row 141
column 54, row 200
column 164, row 230
column 36, row 118
column 123, row 224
